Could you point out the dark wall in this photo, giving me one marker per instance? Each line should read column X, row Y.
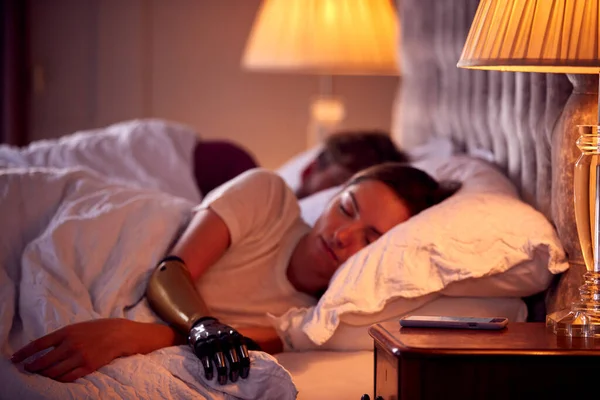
column 14, row 70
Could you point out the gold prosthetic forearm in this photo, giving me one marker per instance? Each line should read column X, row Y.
column 173, row 296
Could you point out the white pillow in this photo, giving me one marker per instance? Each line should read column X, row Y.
column 352, row 335
column 291, row 170
column 312, row 207
column 481, row 231
column 524, row 279
column 434, row 149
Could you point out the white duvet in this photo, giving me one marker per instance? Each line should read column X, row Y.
column 76, row 247
column 149, row 153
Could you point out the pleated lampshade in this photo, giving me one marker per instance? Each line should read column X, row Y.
column 534, row 36
column 332, row 37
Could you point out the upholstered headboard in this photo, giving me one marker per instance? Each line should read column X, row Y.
column 518, row 117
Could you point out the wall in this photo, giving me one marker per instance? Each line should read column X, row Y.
column 98, row 62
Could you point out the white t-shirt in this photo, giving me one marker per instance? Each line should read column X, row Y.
column 264, row 223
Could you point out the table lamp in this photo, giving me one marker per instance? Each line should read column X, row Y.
column 324, row 37
column 560, row 36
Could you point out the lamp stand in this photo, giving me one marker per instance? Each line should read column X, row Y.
column 582, row 318
column 326, row 112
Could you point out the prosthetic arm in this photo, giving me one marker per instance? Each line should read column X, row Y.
column 174, row 298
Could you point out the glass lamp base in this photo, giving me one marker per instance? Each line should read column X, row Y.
column 574, row 323
column 583, row 318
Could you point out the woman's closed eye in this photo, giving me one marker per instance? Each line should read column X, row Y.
column 345, row 210
column 348, row 205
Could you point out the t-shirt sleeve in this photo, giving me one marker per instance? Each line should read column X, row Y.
column 253, row 204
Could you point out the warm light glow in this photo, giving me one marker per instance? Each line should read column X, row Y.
column 354, row 37
column 327, row 110
column 535, row 36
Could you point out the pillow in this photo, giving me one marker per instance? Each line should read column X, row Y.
column 438, row 148
column 311, row 207
column 291, row 170
column 481, row 231
column 352, row 336
column 218, row 161
column 524, row 279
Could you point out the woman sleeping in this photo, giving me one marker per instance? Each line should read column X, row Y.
column 245, row 254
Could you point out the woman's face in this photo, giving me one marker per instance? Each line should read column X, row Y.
column 359, row 215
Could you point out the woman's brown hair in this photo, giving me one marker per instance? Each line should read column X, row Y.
column 415, row 187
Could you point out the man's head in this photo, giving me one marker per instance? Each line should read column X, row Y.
column 344, row 154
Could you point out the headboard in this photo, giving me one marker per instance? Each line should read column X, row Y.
column 521, row 118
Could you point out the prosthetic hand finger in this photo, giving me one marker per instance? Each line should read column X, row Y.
column 244, row 359
column 217, row 343
column 233, row 358
column 204, row 353
column 219, row 360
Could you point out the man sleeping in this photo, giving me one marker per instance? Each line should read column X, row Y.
column 342, row 155
column 156, row 154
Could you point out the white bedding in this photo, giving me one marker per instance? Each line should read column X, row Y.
column 75, row 248
column 330, row 375
column 341, row 375
column 148, row 153
column 483, row 231
column 65, row 286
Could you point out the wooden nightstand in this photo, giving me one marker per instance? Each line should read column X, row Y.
column 523, row 361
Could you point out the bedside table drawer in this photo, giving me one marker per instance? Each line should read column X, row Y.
column 386, row 374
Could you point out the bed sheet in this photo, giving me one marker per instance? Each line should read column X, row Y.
column 330, row 375
column 78, row 248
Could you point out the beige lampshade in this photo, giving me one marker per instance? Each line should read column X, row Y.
column 347, row 37
column 534, row 36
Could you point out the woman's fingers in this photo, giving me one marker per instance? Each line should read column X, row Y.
column 59, row 353
column 62, row 368
column 37, row 345
column 73, row 375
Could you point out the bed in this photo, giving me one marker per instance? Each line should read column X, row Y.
column 514, row 120
column 504, row 137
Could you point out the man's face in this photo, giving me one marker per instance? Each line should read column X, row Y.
column 316, row 178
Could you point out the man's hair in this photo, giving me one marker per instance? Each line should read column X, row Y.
column 417, row 189
column 356, row 150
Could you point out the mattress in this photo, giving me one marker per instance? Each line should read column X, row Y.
column 330, row 374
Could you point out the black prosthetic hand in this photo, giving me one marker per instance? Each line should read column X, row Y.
column 214, row 342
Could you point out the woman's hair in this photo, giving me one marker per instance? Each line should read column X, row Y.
column 416, row 188
column 356, row 150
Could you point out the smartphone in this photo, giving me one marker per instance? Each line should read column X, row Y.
column 426, row 321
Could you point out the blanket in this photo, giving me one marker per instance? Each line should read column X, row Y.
column 149, row 153
column 77, row 247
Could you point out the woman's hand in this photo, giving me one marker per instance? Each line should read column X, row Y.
column 80, row 349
